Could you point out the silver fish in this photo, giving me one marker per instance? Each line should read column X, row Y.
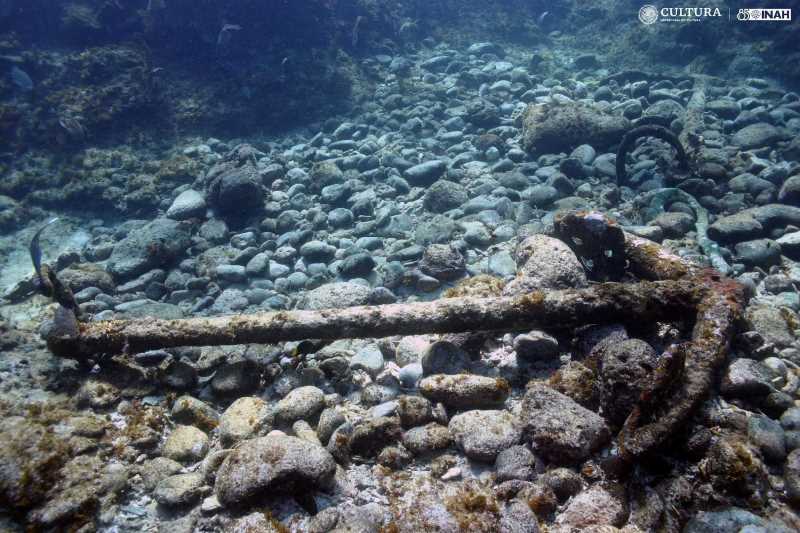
column 542, row 17
column 224, row 36
column 36, row 250
column 21, row 79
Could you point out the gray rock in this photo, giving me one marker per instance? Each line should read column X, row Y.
column 553, row 129
column 426, row 439
column 439, row 230
column 336, row 295
column 545, row 263
column 329, row 420
column 411, row 348
column 246, row 418
column 595, row 506
column 747, row 377
column 674, row 225
column 536, row 345
column 760, row 252
column 465, row 391
column 157, row 243
column 516, row 462
column 791, row 473
column 444, row 195
column 541, row 195
column 303, row 403
column 757, row 135
column 771, row 323
column 178, row 490
column 768, row 435
column 340, row 218
column 790, row 191
column 517, row 517
column 185, row 444
column 484, row 434
column 371, row 436
column 191, row 411
column 790, row 419
column 476, row 234
column 559, row 428
column 726, row 520
column 369, row 359
column 236, row 379
column 726, row 108
column 413, row 411
column 232, row 273
column 156, row 469
column 258, row 265
column 443, row 262
column 748, row 183
column 357, row 265
column 790, row 245
column 772, row 215
column 317, row 251
column 443, row 357
column 277, row 270
column 188, row 204
column 410, row 374
column 424, row 174
column 625, row 370
column 735, row 228
column 273, row 463
column 502, row 264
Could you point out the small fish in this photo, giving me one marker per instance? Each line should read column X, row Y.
column 21, row 79
column 542, row 17
column 356, row 26
column 483, row 90
column 36, row 251
column 224, row 36
column 284, row 63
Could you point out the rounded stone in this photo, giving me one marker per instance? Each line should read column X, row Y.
column 303, row 403
column 185, row 444
column 276, row 462
column 246, row 418
column 484, row 434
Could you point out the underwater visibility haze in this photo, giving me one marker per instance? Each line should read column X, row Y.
column 386, row 266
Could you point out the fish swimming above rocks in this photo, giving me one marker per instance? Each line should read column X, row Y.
column 46, row 280
column 21, row 79
column 224, row 37
column 36, row 252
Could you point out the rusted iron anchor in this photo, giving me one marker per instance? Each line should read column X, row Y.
column 673, row 289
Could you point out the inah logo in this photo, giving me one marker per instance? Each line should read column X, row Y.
column 767, row 15
column 648, row 14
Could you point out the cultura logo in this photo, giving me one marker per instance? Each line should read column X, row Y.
column 648, row 14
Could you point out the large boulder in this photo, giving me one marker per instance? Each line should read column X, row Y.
column 546, row 263
column 484, row 434
column 442, row 261
column 275, row 463
column 553, row 129
column 234, row 185
column 758, row 134
column 336, row 295
column 465, row 391
column 559, row 428
column 156, row 244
